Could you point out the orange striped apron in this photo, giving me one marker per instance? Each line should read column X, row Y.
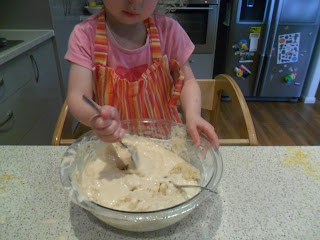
column 153, row 95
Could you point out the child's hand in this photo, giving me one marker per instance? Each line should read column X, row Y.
column 107, row 125
column 196, row 124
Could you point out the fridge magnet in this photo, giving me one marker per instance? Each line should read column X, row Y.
column 303, row 53
column 289, row 78
column 255, row 29
column 242, row 71
column 246, row 57
column 241, row 46
column 288, row 48
column 271, row 77
column 254, row 39
column 238, row 72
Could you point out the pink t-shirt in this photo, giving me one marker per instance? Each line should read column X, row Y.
column 130, row 64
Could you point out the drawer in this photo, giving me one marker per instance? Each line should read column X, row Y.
column 23, row 105
column 202, row 65
column 13, row 75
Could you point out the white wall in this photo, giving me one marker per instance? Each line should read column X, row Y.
column 313, row 76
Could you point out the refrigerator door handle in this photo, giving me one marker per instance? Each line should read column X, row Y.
column 264, row 46
column 273, row 34
column 274, row 31
column 268, row 27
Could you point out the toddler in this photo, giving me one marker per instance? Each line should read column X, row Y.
column 134, row 64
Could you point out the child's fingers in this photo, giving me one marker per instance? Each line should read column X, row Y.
column 104, row 120
column 109, row 112
column 114, row 137
column 194, row 134
column 110, row 138
column 109, row 130
column 107, row 125
column 122, row 132
column 208, row 129
column 101, row 123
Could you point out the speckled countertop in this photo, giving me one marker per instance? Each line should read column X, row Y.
column 265, row 193
column 30, row 39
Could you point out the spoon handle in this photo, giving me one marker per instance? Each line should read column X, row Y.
column 88, row 101
column 192, row 186
column 123, row 144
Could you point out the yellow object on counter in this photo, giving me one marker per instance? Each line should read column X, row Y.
column 300, row 159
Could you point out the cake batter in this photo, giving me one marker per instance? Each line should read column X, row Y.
column 145, row 187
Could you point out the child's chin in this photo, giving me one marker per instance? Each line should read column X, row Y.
column 130, row 21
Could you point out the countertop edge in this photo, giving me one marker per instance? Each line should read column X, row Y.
column 40, row 36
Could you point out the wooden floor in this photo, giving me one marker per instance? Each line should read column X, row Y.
column 276, row 123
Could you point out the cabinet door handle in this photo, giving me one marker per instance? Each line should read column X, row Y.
column 9, row 115
column 35, row 68
column 2, row 88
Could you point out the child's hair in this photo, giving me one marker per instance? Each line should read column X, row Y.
column 163, row 4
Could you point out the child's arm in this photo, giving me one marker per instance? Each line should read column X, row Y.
column 190, row 99
column 107, row 126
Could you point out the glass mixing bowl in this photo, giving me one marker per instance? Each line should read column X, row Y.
column 206, row 158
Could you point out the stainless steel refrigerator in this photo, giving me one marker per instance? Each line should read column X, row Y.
column 266, row 45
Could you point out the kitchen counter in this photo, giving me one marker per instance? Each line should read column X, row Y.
column 31, row 38
column 265, row 193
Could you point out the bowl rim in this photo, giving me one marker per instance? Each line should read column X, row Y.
column 185, row 204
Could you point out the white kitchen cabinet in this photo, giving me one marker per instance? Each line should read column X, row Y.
column 34, row 101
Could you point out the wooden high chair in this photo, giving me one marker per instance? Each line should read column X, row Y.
column 211, row 90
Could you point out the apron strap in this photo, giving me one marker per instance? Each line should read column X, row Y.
column 154, row 38
column 101, row 42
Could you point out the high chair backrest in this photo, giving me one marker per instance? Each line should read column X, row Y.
column 67, row 129
column 211, row 92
